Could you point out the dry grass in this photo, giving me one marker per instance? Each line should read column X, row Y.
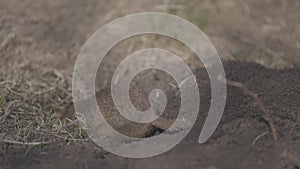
column 32, row 100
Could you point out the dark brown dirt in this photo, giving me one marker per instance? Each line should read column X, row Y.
column 233, row 145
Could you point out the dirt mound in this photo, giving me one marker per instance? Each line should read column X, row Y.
column 242, row 140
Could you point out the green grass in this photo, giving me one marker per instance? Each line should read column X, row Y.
column 172, row 11
column 36, row 98
column 202, row 22
column 2, row 101
column 258, row 54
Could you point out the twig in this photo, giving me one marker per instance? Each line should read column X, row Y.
column 258, row 137
column 266, row 112
column 24, row 143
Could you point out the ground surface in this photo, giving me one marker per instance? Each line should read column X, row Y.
column 39, row 44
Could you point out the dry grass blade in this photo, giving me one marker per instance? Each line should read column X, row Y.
column 31, row 104
column 2, row 118
column 258, row 137
column 5, row 42
column 24, row 143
